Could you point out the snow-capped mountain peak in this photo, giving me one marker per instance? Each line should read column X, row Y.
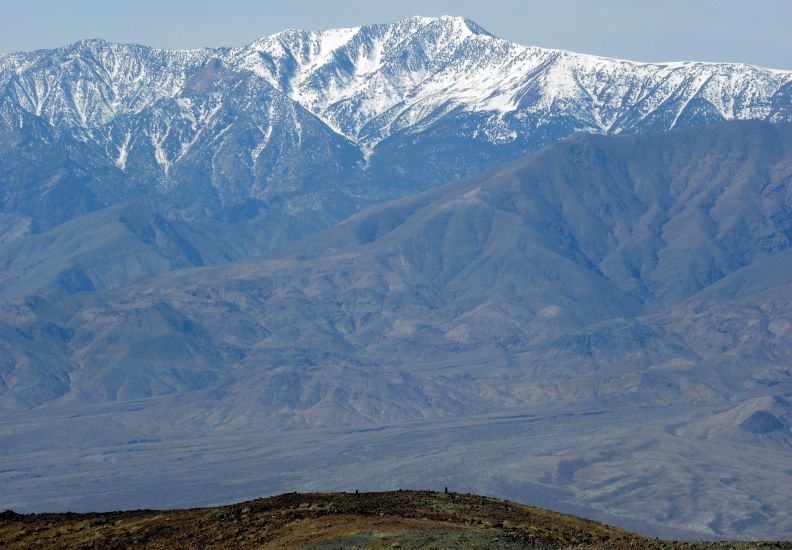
column 367, row 82
column 441, row 90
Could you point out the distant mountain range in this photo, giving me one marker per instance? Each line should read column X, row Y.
column 595, row 268
column 300, row 129
column 610, row 273
column 400, row 228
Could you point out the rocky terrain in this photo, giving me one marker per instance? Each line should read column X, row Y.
column 398, row 519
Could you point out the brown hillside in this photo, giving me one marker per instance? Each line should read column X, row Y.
column 398, row 519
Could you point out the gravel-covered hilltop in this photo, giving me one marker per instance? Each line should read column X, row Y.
column 397, row 519
column 302, row 128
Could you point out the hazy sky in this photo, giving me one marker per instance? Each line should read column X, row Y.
column 751, row 31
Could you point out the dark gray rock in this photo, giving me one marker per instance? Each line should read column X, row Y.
column 761, row 422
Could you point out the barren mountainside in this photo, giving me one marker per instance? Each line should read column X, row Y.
column 597, row 259
column 628, row 281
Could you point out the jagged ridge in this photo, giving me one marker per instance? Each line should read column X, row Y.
column 312, row 125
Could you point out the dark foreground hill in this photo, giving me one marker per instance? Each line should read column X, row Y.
column 396, row 519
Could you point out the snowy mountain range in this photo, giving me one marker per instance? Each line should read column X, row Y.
column 398, row 255
column 300, row 129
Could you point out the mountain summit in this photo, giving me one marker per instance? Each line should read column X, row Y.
column 298, row 130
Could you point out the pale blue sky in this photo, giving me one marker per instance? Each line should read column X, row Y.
column 750, row 31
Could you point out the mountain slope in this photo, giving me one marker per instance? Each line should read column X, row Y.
column 558, row 263
column 108, row 248
column 589, row 325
